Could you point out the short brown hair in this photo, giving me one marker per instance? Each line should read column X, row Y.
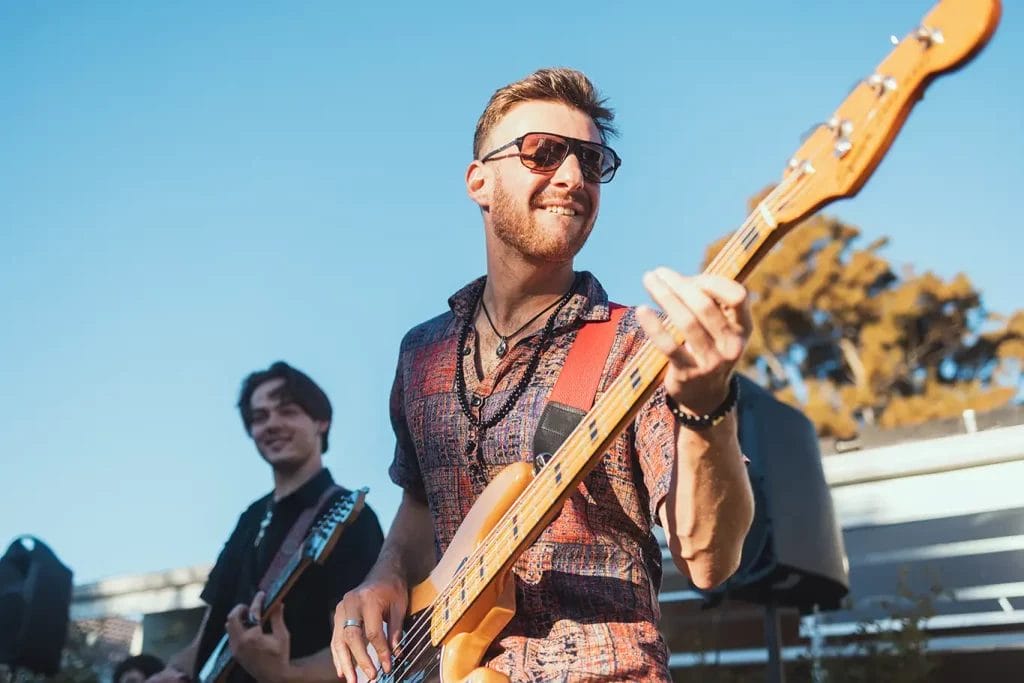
column 558, row 84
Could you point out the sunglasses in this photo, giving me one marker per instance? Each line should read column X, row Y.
column 545, row 152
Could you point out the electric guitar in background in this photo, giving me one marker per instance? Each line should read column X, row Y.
column 315, row 548
column 468, row 599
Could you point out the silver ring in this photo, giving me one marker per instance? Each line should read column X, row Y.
column 352, row 622
column 248, row 620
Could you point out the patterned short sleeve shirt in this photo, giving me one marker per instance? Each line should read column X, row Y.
column 586, row 590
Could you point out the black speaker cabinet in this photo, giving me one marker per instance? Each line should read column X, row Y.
column 793, row 555
column 35, row 597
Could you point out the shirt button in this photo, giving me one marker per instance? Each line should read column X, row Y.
column 476, row 401
column 466, row 350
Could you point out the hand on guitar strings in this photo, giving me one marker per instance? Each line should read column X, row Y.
column 366, row 616
column 266, row 656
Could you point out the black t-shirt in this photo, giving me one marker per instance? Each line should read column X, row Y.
column 310, row 603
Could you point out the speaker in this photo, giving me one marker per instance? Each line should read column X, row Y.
column 793, row 555
column 35, row 597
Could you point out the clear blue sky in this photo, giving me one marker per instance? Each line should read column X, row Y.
column 190, row 191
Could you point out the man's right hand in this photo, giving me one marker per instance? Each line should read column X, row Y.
column 367, row 615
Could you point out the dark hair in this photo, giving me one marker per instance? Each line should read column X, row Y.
column 298, row 388
column 147, row 664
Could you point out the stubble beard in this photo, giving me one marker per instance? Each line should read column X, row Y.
column 520, row 231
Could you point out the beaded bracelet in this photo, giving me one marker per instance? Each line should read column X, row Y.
column 702, row 422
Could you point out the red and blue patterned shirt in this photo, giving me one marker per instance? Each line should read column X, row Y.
column 586, row 590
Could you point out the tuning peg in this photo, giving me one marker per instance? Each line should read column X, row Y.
column 804, row 167
column 841, row 127
column 883, row 83
column 929, row 36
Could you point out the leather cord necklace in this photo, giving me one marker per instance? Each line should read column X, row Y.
column 502, row 348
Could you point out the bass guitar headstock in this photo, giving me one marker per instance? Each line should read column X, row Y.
column 839, row 156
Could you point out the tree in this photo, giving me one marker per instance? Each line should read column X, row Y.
column 846, row 339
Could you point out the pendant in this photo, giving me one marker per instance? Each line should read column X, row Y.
column 264, row 523
column 502, row 348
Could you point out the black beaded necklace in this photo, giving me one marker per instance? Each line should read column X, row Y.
column 520, row 387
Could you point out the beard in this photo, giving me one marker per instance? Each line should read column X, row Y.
column 520, row 230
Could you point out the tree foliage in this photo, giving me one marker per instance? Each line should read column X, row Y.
column 844, row 337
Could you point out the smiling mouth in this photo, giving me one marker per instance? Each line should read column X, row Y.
column 560, row 210
column 276, row 444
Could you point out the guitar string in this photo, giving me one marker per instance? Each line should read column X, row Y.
column 789, row 188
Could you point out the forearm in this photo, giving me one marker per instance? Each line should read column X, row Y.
column 709, row 506
column 408, row 549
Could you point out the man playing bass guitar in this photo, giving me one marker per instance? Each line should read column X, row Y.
column 472, row 383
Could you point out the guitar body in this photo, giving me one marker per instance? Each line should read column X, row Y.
column 464, row 647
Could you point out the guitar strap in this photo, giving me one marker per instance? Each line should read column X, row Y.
column 574, row 391
column 296, row 535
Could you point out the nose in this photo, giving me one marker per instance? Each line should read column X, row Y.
column 569, row 174
column 270, row 423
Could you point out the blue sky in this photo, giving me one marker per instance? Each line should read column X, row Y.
column 190, row 191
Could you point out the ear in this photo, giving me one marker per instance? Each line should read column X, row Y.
column 322, row 426
column 479, row 181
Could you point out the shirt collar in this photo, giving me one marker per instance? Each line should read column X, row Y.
column 309, row 493
column 589, row 301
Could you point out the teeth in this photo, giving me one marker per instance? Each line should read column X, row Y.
column 561, row 210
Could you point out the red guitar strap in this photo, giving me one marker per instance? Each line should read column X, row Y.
column 576, row 386
column 574, row 391
column 296, row 535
